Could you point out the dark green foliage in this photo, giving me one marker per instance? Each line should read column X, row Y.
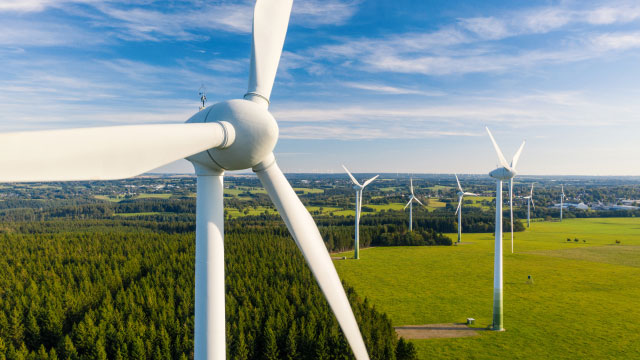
column 98, row 289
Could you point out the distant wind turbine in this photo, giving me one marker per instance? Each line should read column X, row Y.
column 529, row 203
column 562, row 196
column 359, row 188
column 513, row 166
column 506, row 172
column 410, row 205
column 461, row 195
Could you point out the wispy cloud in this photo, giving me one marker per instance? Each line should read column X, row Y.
column 476, row 45
column 387, row 89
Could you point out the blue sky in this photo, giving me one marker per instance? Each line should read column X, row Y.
column 388, row 86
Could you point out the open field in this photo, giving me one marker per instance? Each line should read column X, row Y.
column 139, row 196
column 582, row 304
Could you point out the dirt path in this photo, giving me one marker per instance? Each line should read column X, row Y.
column 434, row 331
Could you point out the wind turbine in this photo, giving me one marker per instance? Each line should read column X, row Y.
column 359, row 188
column 231, row 135
column 513, row 166
column 562, row 196
column 529, row 203
column 461, row 195
column 506, row 172
column 410, row 205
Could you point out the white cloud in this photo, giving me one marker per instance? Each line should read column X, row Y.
column 313, row 13
column 386, row 89
column 616, row 41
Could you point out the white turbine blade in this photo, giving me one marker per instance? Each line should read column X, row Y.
column 370, row 181
column 470, row 194
column 101, row 153
column 534, row 204
column 458, row 181
column 351, row 176
column 501, row 158
column 307, row 237
column 270, row 22
column 419, row 202
column 411, row 184
column 517, row 155
column 531, row 193
column 410, row 199
column 459, row 205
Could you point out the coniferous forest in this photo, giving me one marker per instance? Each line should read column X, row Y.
column 77, row 281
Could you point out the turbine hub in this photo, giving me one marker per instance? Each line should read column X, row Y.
column 256, row 134
column 502, row 173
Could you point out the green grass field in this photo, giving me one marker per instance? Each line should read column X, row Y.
column 583, row 303
column 139, row 196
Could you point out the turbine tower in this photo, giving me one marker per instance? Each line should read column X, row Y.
column 461, row 195
column 231, row 135
column 359, row 188
column 562, row 196
column 410, row 205
column 529, row 203
column 506, row 172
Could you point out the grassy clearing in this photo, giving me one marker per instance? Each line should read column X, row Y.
column 309, row 190
column 477, row 201
column 582, row 304
column 119, row 198
column 137, row 214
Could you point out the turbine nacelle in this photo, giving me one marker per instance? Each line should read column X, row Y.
column 252, row 135
column 502, row 174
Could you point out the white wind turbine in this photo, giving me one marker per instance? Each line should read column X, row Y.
column 231, row 135
column 461, row 195
column 359, row 188
column 529, row 203
column 562, row 196
column 513, row 166
column 506, row 172
column 410, row 205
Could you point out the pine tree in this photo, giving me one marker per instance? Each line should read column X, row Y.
column 270, row 345
column 67, row 349
column 17, row 329
column 31, row 331
column 42, row 354
column 291, row 350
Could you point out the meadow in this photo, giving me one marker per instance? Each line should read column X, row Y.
column 582, row 303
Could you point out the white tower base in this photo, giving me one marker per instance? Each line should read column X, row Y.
column 209, row 337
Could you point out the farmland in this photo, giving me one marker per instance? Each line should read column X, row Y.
column 582, row 302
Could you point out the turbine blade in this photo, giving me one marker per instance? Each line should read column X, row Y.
column 534, row 204
column 351, row 176
column 531, row 193
column 458, row 181
column 307, row 237
column 102, row 153
column 419, row 202
column 411, row 182
column 501, row 158
column 517, row 155
column 459, row 205
column 470, row 194
column 270, row 22
column 370, row 181
column 410, row 199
